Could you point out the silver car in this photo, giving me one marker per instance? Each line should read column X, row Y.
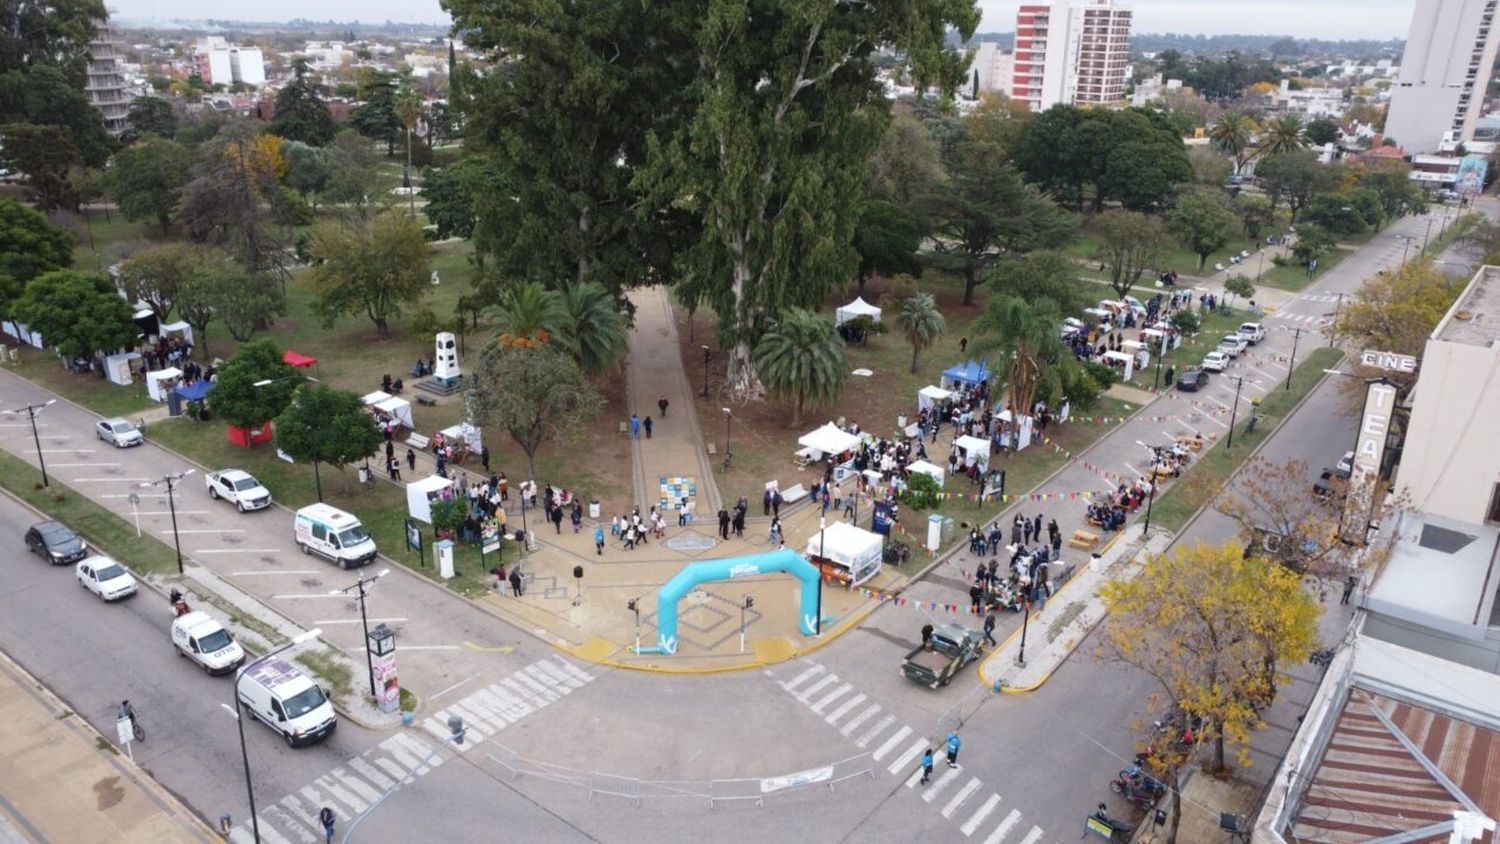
column 119, row 432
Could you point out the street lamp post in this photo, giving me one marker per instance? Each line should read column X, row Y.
column 1239, row 382
column 171, row 479
column 362, row 585
column 31, row 411
column 1428, row 235
column 1025, row 623
column 705, row 371
column 822, row 529
column 1296, row 336
column 239, row 716
column 1260, row 265
column 728, row 417
column 1337, row 310
column 1151, row 494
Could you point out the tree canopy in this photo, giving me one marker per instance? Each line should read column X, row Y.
column 1396, row 311
column 236, row 397
column 301, row 113
column 374, row 267
column 1133, row 156
column 537, row 395
column 78, row 313
column 324, row 425
column 29, row 247
column 150, row 116
column 886, row 239
column 1130, row 244
column 147, row 177
column 156, row 275
column 1203, row 220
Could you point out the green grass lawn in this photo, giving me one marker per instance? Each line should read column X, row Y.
column 1211, row 470
column 1174, row 257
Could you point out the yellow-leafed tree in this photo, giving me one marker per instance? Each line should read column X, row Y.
column 1213, row 628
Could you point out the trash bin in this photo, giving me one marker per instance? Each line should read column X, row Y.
column 364, row 474
column 593, row 508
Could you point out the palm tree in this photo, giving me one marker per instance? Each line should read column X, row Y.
column 530, row 315
column 1024, row 335
column 1232, row 134
column 922, row 322
column 592, row 327
column 802, row 358
column 409, row 110
column 1284, row 134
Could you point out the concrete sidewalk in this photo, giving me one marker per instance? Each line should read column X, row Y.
column 676, row 446
column 61, row 781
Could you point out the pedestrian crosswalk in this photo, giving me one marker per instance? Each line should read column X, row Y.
column 351, row 788
column 897, row 748
column 1305, row 319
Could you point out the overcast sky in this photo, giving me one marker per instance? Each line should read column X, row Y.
column 1306, row 18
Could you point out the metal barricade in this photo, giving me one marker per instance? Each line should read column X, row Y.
column 737, row 789
column 618, row 786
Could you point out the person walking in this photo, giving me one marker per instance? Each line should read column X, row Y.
column 515, row 582
column 662, row 403
column 576, row 516
column 557, row 519
column 484, row 458
column 723, row 524
column 635, row 427
column 776, row 503
column 739, row 522
column 599, row 540
column 765, row 503
column 989, row 628
column 647, row 423
column 327, row 819
column 1349, row 583
column 927, row 766
column 411, row 460
column 393, row 468
column 954, row 743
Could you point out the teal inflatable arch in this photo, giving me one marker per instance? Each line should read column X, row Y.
column 733, row 568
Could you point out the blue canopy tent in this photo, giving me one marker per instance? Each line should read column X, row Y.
column 194, row 391
column 967, row 374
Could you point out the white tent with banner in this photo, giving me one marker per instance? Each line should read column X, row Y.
column 117, row 368
column 858, row 308
column 932, row 470
column 161, row 382
column 421, row 493
column 386, row 406
column 929, row 396
column 853, row 552
column 828, row 439
column 1120, row 360
column 470, row 435
column 1019, row 435
column 975, row 450
column 179, row 328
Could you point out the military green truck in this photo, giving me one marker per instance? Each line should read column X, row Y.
column 950, row 648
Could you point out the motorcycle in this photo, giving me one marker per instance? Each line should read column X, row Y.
column 1138, row 786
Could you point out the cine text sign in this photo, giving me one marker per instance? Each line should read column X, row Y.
column 1388, row 361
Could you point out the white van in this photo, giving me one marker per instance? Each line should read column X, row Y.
column 199, row 638
column 287, row 701
column 332, row 533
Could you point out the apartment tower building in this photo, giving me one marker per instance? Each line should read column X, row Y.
column 1439, row 92
column 1075, row 52
column 105, row 88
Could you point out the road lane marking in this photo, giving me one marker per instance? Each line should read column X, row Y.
column 860, row 719
column 274, row 571
column 202, row 530
column 1004, row 828
column 831, row 697
column 890, row 743
column 79, row 465
column 876, row 730
column 963, row 794
column 939, row 784
column 815, row 687
column 796, row 681
column 844, row 709
column 911, row 753
column 978, row 817
column 237, row 551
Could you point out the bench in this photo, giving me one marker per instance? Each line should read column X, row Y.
column 711, row 449
column 792, row 495
column 1083, row 539
column 426, row 402
column 419, row 441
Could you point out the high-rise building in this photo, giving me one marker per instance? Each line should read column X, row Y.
column 990, row 69
column 1439, row 92
column 222, row 63
column 106, row 88
column 1074, row 52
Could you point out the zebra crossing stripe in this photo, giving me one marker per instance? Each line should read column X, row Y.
column 874, row 731
column 268, row 834
column 520, row 694
column 978, row 817
column 916, row 777
column 572, row 669
column 294, row 808
column 798, row 680
column 500, row 699
column 1033, row 836
column 485, row 702
column 557, row 686
column 543, row 695
column 844, row 708
column 347, row 790
column 416, row 748
column 831, row 697
column 816, row 687
column 370, row 773
column 911, row 753
column 963, row 794
column 403, row 758
column 1004, row 828
column 890, row 743
column 471, row 717
column 275, row 815
column 862, row 717
column 565, row 680
column 939, row 784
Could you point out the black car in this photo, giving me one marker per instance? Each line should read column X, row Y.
column 1192, row 380
column 56, row 543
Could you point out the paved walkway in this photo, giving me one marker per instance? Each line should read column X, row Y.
column 63, row 783
column 675, row 448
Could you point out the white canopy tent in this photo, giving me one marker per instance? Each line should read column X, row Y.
column 932, row 470
column 931, row 395
column 387, row 405
column 858, row 308
column 828, row 439
column 977, row 451
column 469, row 434
column 1121, row 359
column 848, row 547
column 117, row 368
column 178, row 327
column 420, row 494
column 1139, row 350
column 161, row 382
column 19, row 331
column 1022, row 431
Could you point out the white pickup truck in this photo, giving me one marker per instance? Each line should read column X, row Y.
column 238, row 486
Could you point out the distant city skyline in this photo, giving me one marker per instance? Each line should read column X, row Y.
column 1325, row 19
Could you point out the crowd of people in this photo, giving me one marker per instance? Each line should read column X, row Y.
column 1027, row 577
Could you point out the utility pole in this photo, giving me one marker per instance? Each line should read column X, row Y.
column 363, row 586
column 31, row 411
column 1239, row 382
column 171, row 479
column 1296, row 336
column 1337, row 310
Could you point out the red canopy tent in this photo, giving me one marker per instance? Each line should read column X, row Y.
column 298, row 359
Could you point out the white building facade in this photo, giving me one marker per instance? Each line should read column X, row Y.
column 106, row 88
column 1073, row 53
column 221, row 63
column 1439, row 90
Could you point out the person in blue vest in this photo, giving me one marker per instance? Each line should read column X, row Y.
column 954, row 743
column 927, row 766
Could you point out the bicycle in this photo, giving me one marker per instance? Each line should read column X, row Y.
column 728, row 460
column 128, row 711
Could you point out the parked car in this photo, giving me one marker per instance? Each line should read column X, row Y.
column 1345, row 466
column 1192, row 380
column 238, row 486
column 119, row 432
column 106, row 578
column 1252, row 332
column 56, row 543
column 1233, row 345
column 1215, row 361
column 935, row 662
